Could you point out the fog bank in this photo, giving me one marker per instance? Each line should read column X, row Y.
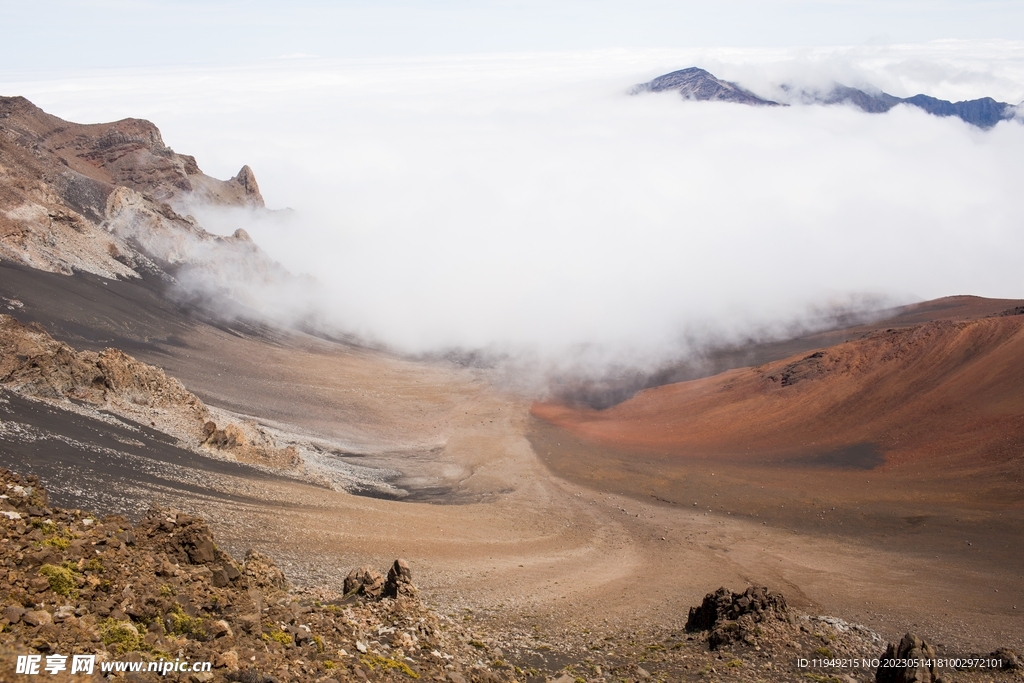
column 525, row 204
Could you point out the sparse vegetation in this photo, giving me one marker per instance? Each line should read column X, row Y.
column 62, row 581
column 182, row 624
column 123, row 636
column 374, row 662
column 278, row 636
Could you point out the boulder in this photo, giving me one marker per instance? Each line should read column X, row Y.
column 37, row 618
column 1011, row 661
column 364, row 581
column 399, row 583
column 910, row 647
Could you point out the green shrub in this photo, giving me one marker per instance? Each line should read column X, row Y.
column 62, row 581
column 183, row 625
column 58, row 542
column 279, row 636
column 373, row 662
column 121, row 635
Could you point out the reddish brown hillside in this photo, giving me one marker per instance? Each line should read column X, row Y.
column 85, row 162
column 949, row 389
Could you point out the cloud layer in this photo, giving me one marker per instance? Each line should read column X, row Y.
column 526, row 204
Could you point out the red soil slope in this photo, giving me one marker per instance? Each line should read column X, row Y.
column 949, row 389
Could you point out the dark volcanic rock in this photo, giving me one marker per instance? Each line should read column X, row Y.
column 399, row 581
column 733, row 617
column 724, row 605
column 698, row 84
column 364, row 581
column 913, row 650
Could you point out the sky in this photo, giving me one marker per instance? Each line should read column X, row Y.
column 58, row 34
column 475, row 175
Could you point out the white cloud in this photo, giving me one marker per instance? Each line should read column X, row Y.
column 525, row 203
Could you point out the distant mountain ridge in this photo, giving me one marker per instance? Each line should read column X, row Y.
column 983, row 113
column 698, row 84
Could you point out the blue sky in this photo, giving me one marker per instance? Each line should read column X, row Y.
column 61, row 34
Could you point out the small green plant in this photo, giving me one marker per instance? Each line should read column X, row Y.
column 58, row 542
column 279, row 636
column 182, row 624
column 734, row 663
column 373, row 662
column 121, row 635
column 328, row 664
column 93, row 565
column 62, row 581
column 823, row 651
column 319, row 643
column 167, row 590
column 45, row 525
column 477, row 644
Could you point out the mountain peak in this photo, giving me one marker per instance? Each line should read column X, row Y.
column 698, row 84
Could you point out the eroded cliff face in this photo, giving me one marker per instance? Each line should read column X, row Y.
column 36, row 365
column 101, row 198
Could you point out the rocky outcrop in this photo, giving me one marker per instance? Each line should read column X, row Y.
column 915, row 658
column 112, row 199
column 732, row 617
column 399, row 583
column 263, row 573
column 99, row 157
column 364, row 581
column 255, row 447
column 35, row 364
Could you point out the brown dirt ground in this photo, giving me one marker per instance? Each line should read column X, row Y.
column 558, row 531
